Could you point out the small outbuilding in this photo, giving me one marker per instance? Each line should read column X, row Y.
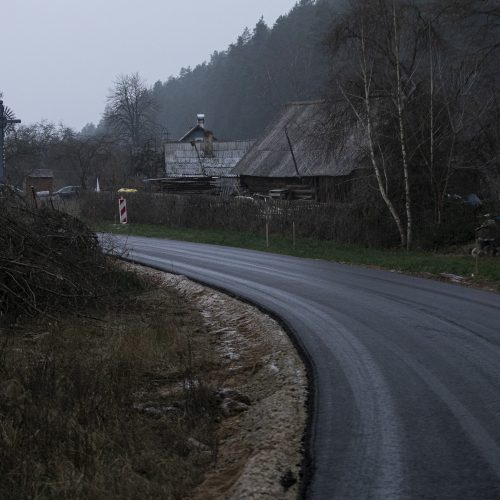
column 40, row 179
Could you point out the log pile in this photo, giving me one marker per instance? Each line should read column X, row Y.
column 294, row 192
column 187, row 185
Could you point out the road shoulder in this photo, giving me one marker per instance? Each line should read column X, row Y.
column 264, row 398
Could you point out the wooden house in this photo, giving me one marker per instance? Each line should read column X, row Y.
column 293, row 159
column 201, row 161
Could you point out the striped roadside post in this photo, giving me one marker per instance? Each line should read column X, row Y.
column 122, row 207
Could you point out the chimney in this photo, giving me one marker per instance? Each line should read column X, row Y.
column 201, row 121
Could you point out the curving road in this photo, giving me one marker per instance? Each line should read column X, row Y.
column 406, row 371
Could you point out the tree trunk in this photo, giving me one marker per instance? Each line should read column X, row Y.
column 402, row 135
column 373, row 158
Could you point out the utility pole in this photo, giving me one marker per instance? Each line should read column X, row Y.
column 5, row 120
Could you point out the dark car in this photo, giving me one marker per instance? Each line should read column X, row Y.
column 67, row 192
column 12, row 189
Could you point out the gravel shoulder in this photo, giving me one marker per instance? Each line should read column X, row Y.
column 264, row 392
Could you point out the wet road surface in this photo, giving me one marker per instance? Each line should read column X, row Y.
column 406, row 371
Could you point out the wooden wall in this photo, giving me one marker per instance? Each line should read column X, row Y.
column 39, row 184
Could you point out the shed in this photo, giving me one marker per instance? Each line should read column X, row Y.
column 40, row 179
column 293, row 151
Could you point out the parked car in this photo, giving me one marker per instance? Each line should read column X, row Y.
column 67, row 192
column 127, row 190
column 9, row 187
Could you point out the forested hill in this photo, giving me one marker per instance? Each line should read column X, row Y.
column 241, row 88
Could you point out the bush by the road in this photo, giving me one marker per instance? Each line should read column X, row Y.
column 345, row 222
column 49, row 261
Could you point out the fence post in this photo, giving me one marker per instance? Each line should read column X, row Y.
column 33, row 193
column 267, row 233
column 293, row 234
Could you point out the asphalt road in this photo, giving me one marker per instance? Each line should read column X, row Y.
column 406, row 371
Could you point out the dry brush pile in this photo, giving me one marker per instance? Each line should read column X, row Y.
column 102, row 394
column 48, row 261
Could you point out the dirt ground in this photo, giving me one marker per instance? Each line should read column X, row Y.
column 263, row 393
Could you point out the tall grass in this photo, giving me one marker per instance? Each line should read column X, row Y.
column 70, row 398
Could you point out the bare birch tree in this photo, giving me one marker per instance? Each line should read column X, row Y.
column 425, row 99
column 379, row 99
column 365, row 119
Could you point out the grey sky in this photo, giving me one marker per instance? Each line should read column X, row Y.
column 59, row 58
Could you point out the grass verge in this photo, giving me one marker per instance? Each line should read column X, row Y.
column 111, row 402
column 487, row 273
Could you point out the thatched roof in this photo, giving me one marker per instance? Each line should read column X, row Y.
column 306, row 123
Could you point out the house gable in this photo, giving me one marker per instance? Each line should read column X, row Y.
column 199, row 153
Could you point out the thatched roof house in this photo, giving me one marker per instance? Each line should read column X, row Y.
column 294, row 150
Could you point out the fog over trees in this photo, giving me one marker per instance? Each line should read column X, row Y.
column 241, row 88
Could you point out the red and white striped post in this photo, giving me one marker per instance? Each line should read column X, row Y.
column 122, row 207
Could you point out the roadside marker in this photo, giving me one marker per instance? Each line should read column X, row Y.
column 122, row 206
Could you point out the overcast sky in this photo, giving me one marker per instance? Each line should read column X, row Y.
column 59, row 58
